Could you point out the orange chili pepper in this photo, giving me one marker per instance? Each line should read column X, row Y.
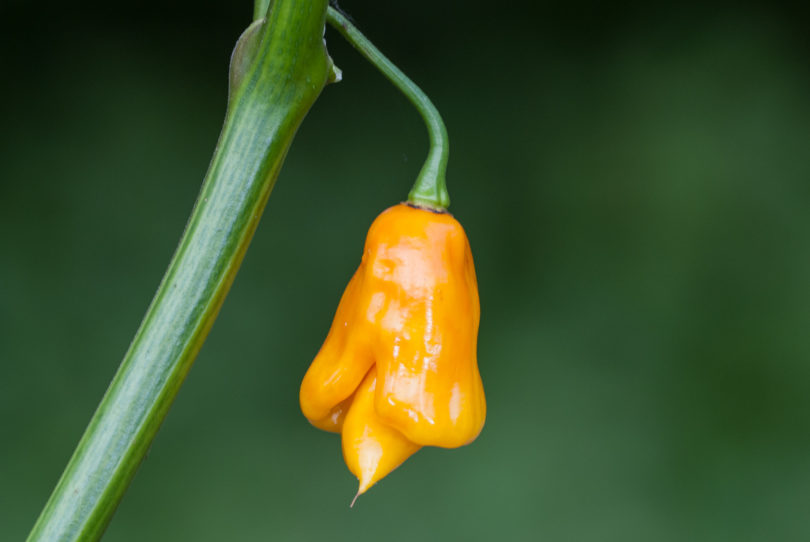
column 398, row 369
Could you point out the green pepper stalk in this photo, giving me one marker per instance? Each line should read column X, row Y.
column 430, row 188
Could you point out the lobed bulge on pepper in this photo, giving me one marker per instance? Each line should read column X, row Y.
column 398, row 369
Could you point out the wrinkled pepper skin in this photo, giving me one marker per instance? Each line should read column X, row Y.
column 398, row 369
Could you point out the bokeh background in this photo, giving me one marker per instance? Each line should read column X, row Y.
column 635, row 183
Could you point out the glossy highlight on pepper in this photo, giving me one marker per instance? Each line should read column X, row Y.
column 398, row 369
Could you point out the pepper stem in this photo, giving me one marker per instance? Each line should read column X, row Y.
column 430, row 188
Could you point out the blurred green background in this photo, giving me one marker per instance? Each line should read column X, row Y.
column 635, row 184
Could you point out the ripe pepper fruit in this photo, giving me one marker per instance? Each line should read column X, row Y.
column 398, row 369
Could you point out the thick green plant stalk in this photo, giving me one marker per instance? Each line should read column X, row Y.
column 260, row 7
column 280, row 67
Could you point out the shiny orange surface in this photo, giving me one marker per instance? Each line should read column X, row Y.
column 371, row 448
column 398, row 369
